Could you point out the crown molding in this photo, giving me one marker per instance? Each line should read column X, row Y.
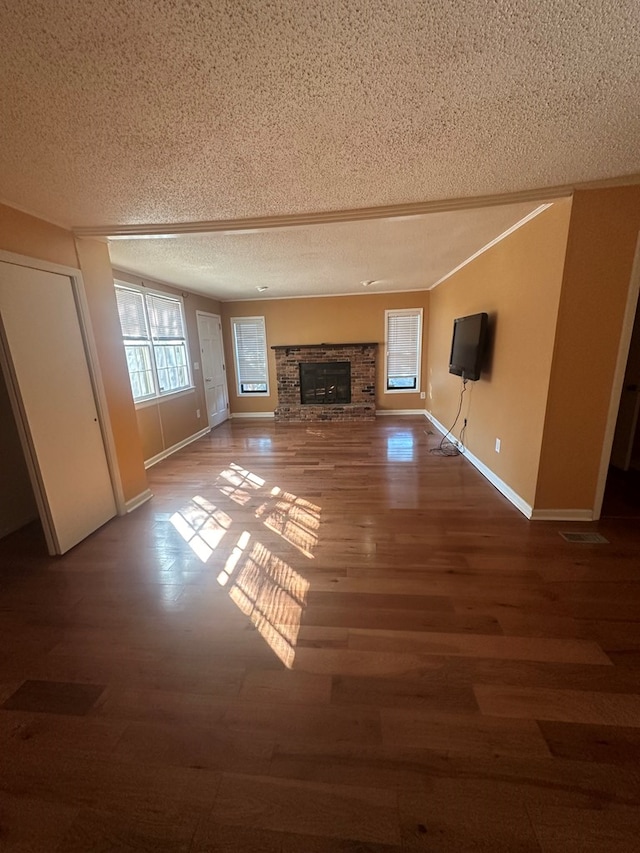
column 264, row 223
column 393, row 211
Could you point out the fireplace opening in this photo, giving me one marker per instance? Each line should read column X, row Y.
column 325, row 382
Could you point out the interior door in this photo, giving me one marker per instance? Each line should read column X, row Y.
column 629, row 411
column 213, row 368
column 45, row 364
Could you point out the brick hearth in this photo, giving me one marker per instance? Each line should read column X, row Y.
column 362, row 357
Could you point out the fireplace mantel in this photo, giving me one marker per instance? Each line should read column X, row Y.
column 289, row 347
column 361, row 355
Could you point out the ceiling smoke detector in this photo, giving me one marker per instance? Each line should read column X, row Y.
column 262, row 288
column 367, row 283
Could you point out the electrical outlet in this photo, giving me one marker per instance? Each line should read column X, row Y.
column 196, row 365
column 197, row 413
column 497, row 445
column 423, row 396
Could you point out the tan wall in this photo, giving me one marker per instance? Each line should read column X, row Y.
column 17, row 503
column 601, row 245
column 95, row 264
column 517, row 282
column 35, row 238
column 335, row 319
column 164, row 423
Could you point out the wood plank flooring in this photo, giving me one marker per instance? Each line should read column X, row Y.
column 321, row 638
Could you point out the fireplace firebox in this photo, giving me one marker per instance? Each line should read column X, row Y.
column 325, row 382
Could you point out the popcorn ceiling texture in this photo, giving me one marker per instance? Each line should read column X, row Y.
column 167, row 110
column 399, row 254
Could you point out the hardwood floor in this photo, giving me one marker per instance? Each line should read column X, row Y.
column 321, row 638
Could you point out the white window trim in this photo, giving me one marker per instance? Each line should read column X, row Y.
column 241, row 393
column 143, row 402
column 418, row 387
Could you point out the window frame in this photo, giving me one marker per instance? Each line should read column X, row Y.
column 150, row 343
column 418, row 312
column 236, row 360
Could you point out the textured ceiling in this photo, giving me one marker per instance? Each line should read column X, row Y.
column 173, row 111
column 412, row 253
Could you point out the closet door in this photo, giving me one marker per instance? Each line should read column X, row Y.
column 46, row 363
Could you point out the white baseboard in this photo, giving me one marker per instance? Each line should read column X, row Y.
column 500, row 485
column 562, row 515
column 140, row 499
column 163, row 454
column 387, row 412
column 252, row 415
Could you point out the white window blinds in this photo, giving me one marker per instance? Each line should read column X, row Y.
column 155, row 342
column 165, row 316
column 250, row 348
column 132, row 315
column 403, row 350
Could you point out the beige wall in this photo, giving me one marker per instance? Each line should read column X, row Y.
column 601, row 245
column 517, row 282
column 335, row 319
column 17, row 503
column 164, row 423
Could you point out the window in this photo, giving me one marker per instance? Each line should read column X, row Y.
column 155, row 342
column 250, row 350
column 403, row 349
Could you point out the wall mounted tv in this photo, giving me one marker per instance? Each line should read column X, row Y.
column 468, row 345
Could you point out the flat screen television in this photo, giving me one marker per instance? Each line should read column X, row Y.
column 468, row 345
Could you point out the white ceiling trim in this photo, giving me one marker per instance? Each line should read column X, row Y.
column 396, row 211
column 252, row 225
column 493, row 242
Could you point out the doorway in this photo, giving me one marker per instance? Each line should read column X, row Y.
column 213, row 368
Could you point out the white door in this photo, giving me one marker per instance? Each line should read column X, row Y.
column 46, row 366
column 213, row 368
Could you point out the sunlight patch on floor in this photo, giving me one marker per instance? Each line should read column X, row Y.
column 238, row 484
column 202, row 526
column 294, row 519
column 261, row 584
column 269, row 592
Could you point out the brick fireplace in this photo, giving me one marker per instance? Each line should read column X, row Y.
column 296, row 359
